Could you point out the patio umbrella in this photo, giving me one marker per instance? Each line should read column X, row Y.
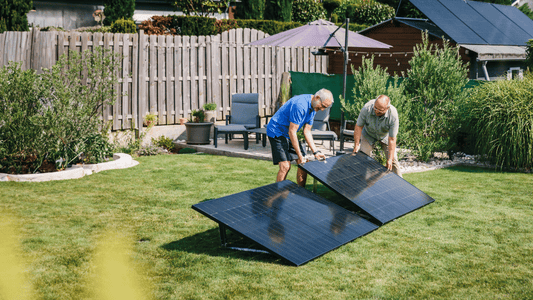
column 315, row 34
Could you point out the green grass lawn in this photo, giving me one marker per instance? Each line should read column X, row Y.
column 474, row 242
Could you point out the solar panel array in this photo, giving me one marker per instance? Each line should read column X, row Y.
column 478, row 23
column 288, row 220
column 360, row 179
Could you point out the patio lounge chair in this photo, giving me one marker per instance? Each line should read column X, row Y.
column 244, row 116
column 321, row 130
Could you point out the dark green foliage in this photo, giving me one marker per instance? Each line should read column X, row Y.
column 187, row 151
column 164, row 142
column 250, row 10
column 118, row 9
column 499, row 118
column 330, row 6
column 270, row 27
column 13, row 15
column 526, row 10
column 529, row 55
column 199, row 8
column 305, row 11
column 194, row 25
column 407, row 9
column 123, row 26
column 278, row 10
column 21, row 142
column 369, row 12
column 434, row 84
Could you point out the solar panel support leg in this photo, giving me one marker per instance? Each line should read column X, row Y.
column 223, row 239
column 314, row 185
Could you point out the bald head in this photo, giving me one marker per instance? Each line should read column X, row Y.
column 381, row 106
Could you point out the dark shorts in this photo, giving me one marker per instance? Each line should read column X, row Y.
column 282, row 149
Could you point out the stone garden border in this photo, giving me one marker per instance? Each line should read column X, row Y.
column 120, row 161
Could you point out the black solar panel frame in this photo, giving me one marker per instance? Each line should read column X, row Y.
column 306, row 236
column 348, row 175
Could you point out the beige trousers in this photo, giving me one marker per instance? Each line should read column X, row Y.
column 366, row 147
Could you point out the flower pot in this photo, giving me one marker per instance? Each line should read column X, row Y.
column 210, row 116
column 198, row 133
column 183, row 121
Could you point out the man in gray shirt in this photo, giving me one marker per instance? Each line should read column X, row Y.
column 378, row 122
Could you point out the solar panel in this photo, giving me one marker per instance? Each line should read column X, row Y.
column 288, row 220
column 360, row 179
column 506, row 27
column 448, row 22
column 478, row 23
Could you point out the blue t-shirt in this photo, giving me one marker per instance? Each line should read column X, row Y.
column 297, row 110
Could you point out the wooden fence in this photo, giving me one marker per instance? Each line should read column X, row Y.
column 172, row 75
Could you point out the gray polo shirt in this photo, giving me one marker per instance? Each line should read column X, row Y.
column 378, row 128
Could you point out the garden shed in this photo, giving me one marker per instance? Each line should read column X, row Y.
column 492, row 38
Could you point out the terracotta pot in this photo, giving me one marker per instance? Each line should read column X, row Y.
column 183, row 121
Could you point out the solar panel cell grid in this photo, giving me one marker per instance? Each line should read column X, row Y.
column 378, row 192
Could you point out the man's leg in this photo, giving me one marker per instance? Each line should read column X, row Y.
column 284, row 168
column 395, row 163
column 301, row 177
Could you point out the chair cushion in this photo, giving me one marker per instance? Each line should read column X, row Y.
column 244, row 108
column 323, row 135
column 230, row 128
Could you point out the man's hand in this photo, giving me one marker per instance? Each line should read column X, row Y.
column 320, row 156
column 301, row 160
column 389, row 164
column 356, row 149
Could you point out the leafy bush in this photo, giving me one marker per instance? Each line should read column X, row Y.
column 13, row 15
column 74, row 92
column 305, row 11
column 434, row 84
column 500, row 118
column 118, row 9
column 369, row 83
column 526, row 10
column 250, row 10
column 369, row 12
column 164, row 142
column 21, row 142
column 278, row 10
column 123, row 26
column 198, row 8
column 331, row 5
column 268, row 26
column 529, row 55
column 210, row 106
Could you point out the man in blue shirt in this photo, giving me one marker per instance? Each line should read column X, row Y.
column 282, row 128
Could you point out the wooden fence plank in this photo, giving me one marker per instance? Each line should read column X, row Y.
column 185, row 76
column 135, row 111
column 193, row 69
column 216, row 78
column 226, row 80
column 201, row 72
column 178, row 79
column 161, row 107
column 116, row 88
column 152, row 75
column 169, row 63
column 126, row 70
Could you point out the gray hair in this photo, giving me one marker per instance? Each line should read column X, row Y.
column 324, row 94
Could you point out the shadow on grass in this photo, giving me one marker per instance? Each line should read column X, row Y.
column 208, row 243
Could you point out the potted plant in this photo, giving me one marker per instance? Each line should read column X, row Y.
column 150, row 120
column 197, row 129
column 210, row 112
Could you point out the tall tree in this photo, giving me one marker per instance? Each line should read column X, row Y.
column 118, row 9
column 13, row 15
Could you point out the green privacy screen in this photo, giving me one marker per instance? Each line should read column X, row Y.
column 310, row 83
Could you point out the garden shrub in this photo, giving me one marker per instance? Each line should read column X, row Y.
column 368, row 12
column 123, row 26
column 250, row 10
column 75, row 90
column 199, row 8
column 330, row 6
column 529, row 55
column 499, row 116
column 163, row 142
column 305, row 11
column 278, row 10
column 369, row 83
column 434, row 84
column 21, row 142
column 13, row 15
column 118, row 9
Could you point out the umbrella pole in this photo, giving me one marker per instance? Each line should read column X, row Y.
column 347, row 22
